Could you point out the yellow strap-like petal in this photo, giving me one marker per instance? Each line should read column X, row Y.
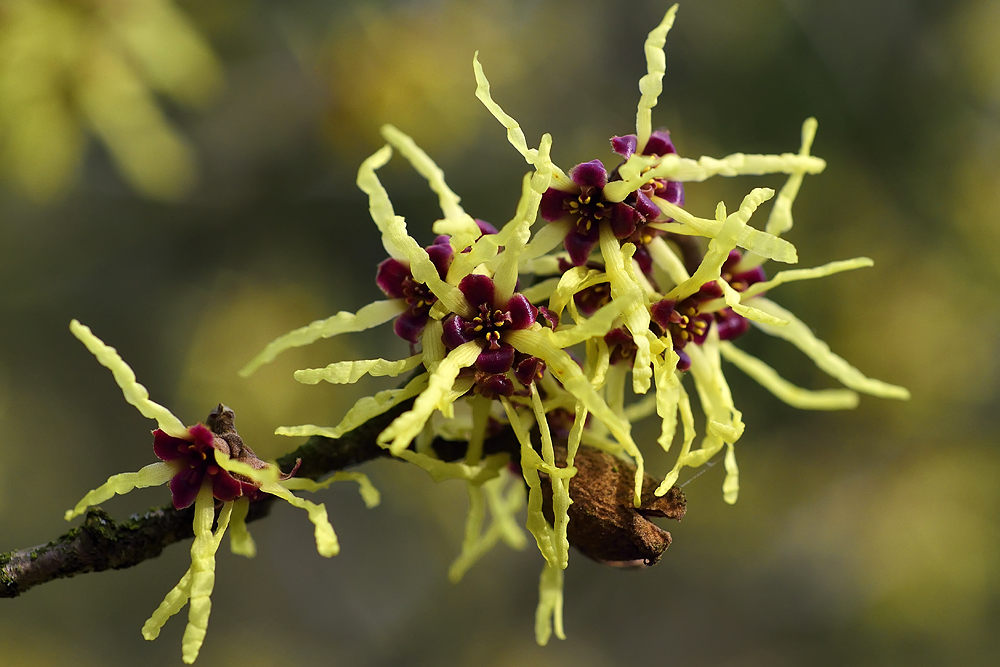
column 762, row 243
column 349, row 372
column 326, row 538
column 179, row 594
column 514, row 133
column 549, row 614
column 792, row 275
column 802, row 337
column 630, row 294
column 651, row 85
column 425, row 166
column 672, row 167
column 518, row 230
column 369, row 494
column 687, row 419
column 134, row 392
column 732, row 299
column 503, row 510
column 797, row 397
column 545, row 239
column 171, row 605
column 572, row 281
column 599, row 324
column 202, row 570
column 730, row 230
column 270, row 473
column 541, row 291
column 370, row 316
column 154, row 474
column 731, row 485
column 401, row 432
column 569, row 374
column 780, row 220
column 365, row 409
column 240, row 540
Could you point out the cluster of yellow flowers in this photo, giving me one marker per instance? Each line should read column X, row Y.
column 535, row 328
column 490, row 353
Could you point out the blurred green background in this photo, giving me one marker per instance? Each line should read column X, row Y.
column 190, row 207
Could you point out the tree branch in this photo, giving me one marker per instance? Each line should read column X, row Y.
column 605, row 525
column 103, row 544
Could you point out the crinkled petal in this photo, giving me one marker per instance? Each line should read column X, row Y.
column 370, row 316
column 627, row 291
column 567, row 371
column 665, row 258
column 154, row 474
column 549, row 614
column 349, row 372
column 797, row 397
column 401, row 432
column 326, row 539
column 761, row 243
column 720, row 246
column 802, row 337
column 369, row 494
column 651, row 84
column 202, row 572
column 240, row 540
column 134, row 392
column 397, row 241
column 806, row 274
column 365, row 409
column 426, row 167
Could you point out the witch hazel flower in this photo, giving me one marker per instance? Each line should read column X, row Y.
column 210, row 467
column 482, row 342
column 680, row 323
column 648, row 308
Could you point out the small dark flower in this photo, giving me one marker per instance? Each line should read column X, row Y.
column 489, row 324
column 642, row 200
column 687, row 324
column 396, row 281
column 584, row 204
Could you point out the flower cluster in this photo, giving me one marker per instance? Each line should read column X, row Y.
column 538, row 327
column 206, row 465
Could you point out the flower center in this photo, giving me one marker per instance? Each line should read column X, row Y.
column 685, row 325
column 588, row 208
column 418, row 296
column 488, row 324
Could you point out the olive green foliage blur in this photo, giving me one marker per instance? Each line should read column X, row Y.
column 69, row 68
column 870, row 537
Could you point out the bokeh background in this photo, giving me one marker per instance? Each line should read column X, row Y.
column 181, row 178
